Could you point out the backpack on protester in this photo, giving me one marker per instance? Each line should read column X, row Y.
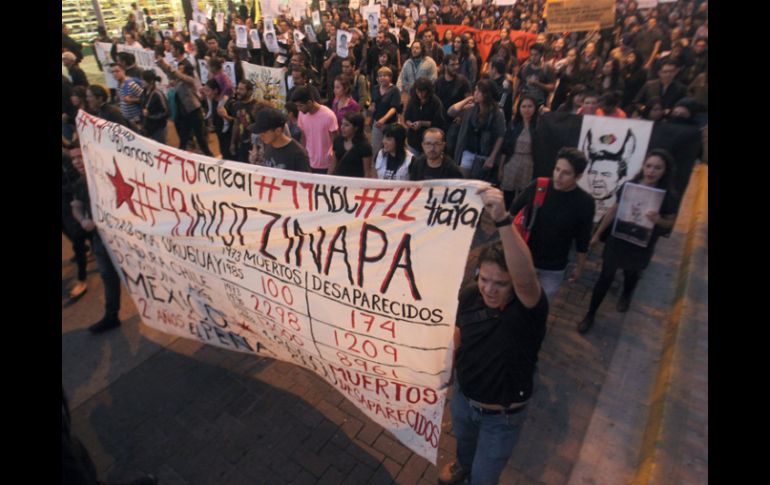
column 525, row 219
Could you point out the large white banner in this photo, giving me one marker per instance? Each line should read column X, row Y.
column 615, row 148
column 354, row 279
column 269, row 83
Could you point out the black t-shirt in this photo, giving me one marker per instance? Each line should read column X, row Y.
column 291, row 156
column 450, row 92
column 420, row 170
column 564, row 217
column 498, row 350
column 383, row 103
column 350, row 163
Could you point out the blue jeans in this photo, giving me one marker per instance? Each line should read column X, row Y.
column 492, row 435
column 550, row 281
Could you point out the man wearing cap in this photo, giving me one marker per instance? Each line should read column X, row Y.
column 281, row 151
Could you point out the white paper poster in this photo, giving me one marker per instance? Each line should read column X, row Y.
column 322, row 5
column 372, row 16
column 354, row 4
column 269, row 83
column 269, row 24
column 145, row 59
column 347, row 277
column 298, row 37
column 343, row 39
column 271, row 42
column 316, row 18
column 229, row 70
column 503, row 3
column 615, row 149
column 196, row 30
column 241, row 36
column 310, row 33
column 220, row 21
column 632, row 223
column 203, row 70
column 645, row 4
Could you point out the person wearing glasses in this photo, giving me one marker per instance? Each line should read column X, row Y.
column 434, row 163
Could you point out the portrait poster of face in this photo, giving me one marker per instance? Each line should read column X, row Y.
column 298, row 37
column 271, row 41
column 343, row 36
column 254, row 36
column 372, row 14
column 269, row 24
column 241, row 36
column 631, row 223
column 316, row 16
column 615, row 148
column 203, row 70
column 196, row 30
column 322, row 5
column 310, row 33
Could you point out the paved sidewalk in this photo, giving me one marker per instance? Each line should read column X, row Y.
column 147, row 402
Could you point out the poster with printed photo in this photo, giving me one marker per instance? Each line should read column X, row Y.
column 310, row 33
column 372, row 15
column 203, row 70
column 615, row 148
column 220, row 21
column 298, row 38
column 242, row 36
column 343, row 39
column 229, row 70
column 196, row 30
column 269, row 24
column 316, row 16
column 271, row 42
column 631, row 223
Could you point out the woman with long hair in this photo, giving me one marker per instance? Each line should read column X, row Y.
column 516, row 171
column 570, row 72
column 352, row 153
column 481, row 132
column 448, row 41
column 424, row 110
column 656, row 172
column 343, row 101
column 392, row 162
column 469, row 64
column 609, row 79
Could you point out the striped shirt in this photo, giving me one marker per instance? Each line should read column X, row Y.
column 131, row 111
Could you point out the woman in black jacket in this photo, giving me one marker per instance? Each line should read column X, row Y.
column 632, row 258
column 154, row 108
column 423, row 111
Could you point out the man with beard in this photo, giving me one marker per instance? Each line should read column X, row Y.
column 451, row 88
column 243, row 112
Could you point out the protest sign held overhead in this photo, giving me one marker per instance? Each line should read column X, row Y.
column 579, row 15
column 269, row 83
column 345, row 277
column 241, row 36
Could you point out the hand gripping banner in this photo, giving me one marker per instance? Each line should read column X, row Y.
column 354, row 279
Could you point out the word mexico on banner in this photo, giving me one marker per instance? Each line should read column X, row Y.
column 354, row 279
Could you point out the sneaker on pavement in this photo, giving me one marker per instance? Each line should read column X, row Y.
column 78, row 290
column 106, row 323
column 585, row 325
column 452, row 473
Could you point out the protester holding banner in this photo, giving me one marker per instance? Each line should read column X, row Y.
column 656, row 172
column 500, row 328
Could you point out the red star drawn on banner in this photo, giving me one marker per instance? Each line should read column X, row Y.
column 123, row 191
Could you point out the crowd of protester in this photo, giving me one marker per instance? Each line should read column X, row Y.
column 427, row 109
